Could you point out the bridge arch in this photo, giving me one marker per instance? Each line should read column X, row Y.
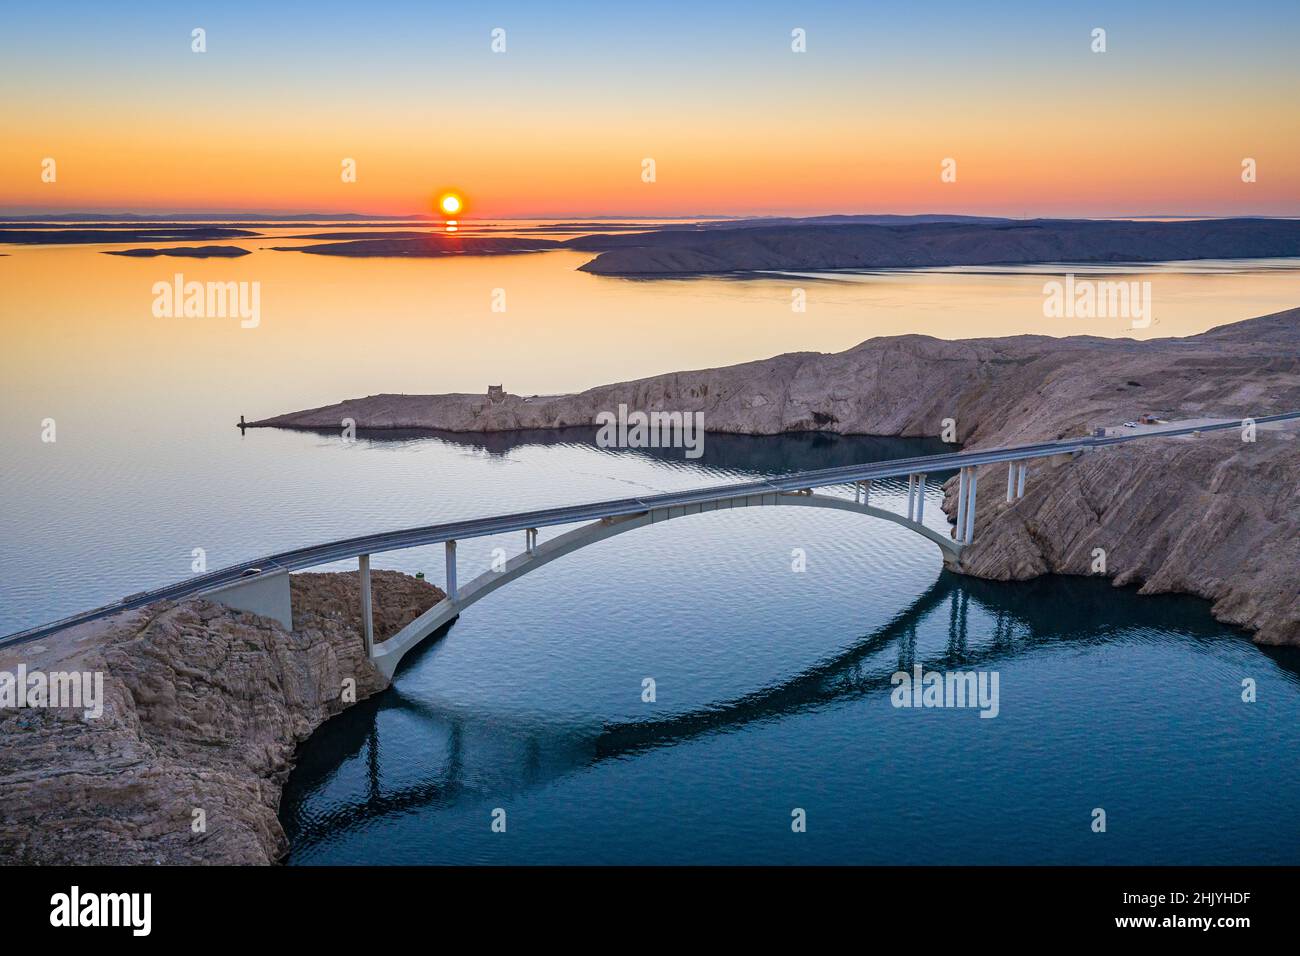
column 388, row 654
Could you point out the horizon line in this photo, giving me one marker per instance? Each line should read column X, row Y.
column 27, row 212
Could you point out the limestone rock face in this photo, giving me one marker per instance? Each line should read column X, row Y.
column 1211, row 516
column 203, row 709
column 1017, row 388
column 853, row 392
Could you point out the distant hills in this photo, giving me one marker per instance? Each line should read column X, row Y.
column 843, row 220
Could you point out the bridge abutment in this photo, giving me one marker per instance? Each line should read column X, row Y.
column 266, row 594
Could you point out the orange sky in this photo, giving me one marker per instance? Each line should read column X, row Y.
column 1046, row 130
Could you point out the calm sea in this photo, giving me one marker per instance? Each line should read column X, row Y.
column 772, row 686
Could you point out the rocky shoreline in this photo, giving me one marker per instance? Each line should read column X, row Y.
column 1212, row 516
column 202, row 712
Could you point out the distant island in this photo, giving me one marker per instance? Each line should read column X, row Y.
column 41, row 237
column 820, row 246
column 182, row 252
column 429, row 246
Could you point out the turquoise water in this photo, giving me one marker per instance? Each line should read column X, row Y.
column 773, row 693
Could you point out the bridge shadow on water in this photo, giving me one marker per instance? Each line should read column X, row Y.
column 1016, row 620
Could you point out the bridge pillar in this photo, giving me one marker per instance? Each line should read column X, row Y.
column 972, row 485
column 1020, row 480
column 451, row 570
column 920, row 498
column 959, row 529
column 367, row 615
column 911, row 497
column 530, row 540
column 862, row 488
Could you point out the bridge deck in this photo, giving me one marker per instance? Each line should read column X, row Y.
column 301, row 558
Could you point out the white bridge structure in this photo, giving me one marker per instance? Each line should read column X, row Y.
column 262, row 585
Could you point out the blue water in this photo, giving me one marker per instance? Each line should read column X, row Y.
column 772, row 686
column 773, row 693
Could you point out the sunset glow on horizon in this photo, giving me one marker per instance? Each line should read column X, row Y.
column 559, row 124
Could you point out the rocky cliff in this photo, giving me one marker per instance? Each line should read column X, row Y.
column 1213, row 516
column 203, row 709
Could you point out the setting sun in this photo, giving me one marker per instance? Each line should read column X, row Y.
column 450, row 203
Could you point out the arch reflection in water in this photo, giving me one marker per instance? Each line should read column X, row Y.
column 1107, row 699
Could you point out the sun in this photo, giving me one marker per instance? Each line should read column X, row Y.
column 451, row 204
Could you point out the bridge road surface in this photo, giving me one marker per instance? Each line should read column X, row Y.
column 342, row 549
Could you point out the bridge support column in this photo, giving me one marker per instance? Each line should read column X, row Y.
column 920, row 498
column 530, row 540
column 972, row 485
column 451, row 570
column 367, row 614
column 1012, row 469
column 1020, row 480
column 911, row 497
column 862, row 492
column 959, row 530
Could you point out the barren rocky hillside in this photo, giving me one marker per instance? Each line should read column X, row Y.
column 204, row 707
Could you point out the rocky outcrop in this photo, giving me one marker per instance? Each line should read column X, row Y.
column 203, row 710
column 851, row 392
column 1211, row 516
column 1021, row 388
